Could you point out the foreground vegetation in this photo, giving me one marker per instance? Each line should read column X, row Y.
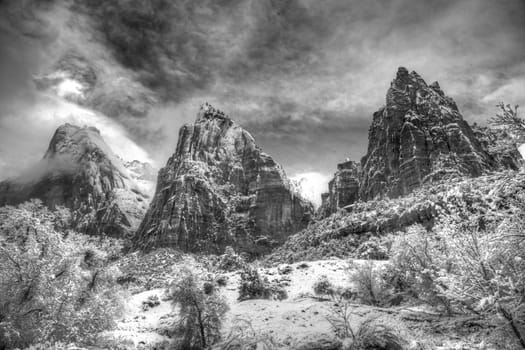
column 56, row 285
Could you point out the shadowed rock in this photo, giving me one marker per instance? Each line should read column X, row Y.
column 343, row 189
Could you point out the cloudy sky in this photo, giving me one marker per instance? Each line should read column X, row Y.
column 304, row 77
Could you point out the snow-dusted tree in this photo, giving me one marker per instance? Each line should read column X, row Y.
column 486, row 275
column 509, row 119
column 473, row 262
column 201, row 312
column 54, row 284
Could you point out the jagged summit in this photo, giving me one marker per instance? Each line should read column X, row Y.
column 220, row 189
column 207, row 111
column 418, row 136
column 80, row 171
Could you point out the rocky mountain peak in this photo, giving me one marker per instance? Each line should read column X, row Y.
column 220, row 189
column 79, row 171
column 207, row 112
column 419, row 136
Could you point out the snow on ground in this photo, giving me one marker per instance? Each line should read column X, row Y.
column 294, row 318
column 288, row 322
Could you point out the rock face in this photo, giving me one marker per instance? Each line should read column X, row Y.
column 80, row 172
column 419, row 136
column 219, row 189
column 343, row 189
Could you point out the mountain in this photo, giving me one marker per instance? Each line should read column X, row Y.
column 353, row 231
column 219, row 189
column 80, row 172
column 419, row 136
column 343, row 189
column 424, row 163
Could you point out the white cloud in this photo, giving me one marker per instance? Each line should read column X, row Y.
column 511, row 92
column 312, row 185
column 26, row 133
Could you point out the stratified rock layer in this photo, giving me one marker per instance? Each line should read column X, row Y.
column 80, row 172
column 219, row 189
column 418, row 136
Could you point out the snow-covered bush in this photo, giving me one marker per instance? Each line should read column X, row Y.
column 471, row 263
column 243, row 336
column 417, row 257
column 378, row 334
column 486, row 272
column 376, row 248
column 323, row 286
column 54, row 284
column 150, row 302
column 255, row 286
column 370, row 286
column 372, row 333
column 230, row 260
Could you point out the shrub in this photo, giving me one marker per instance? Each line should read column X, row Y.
column 373, row 333
column 303, row 265
column 417, row 258
column 200, row 313
column 370, row 287
column 221, row 280
column 242, row 336
column 55, row 284
column 208, row 287
column 284, row 269
column 230, row 261
column 486, row 272
column 472, row 264
column 374, row 249
column 150, row 302
column 323, row 286
column 253, row 286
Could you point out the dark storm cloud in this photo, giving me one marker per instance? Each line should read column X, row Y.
column 303, row 76
column 259, row 59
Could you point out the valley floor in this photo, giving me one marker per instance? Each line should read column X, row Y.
column 301, row 320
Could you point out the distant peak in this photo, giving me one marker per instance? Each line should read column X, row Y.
column 403, row 75
column 71, row 128
column 68, row 126
column 207, row 111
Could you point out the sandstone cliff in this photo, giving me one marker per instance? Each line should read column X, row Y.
column 419, row 136
column 219, row 189
column 343, row 189
column 80, row 172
